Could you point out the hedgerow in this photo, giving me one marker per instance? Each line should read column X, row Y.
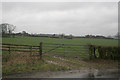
column 104, row 52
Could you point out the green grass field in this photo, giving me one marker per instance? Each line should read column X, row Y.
column 66, row 50
column 78, row 41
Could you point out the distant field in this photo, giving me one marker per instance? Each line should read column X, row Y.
column 79, row 41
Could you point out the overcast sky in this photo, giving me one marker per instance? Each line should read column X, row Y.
column 77, row 18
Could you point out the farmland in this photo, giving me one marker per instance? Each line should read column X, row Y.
column 64, row 50
column 17, row 63
column 79, row 41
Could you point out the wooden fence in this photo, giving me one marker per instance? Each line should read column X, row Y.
column 65, row 49
column 22, row 48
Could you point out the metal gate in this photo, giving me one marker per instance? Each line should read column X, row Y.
column 66, row 50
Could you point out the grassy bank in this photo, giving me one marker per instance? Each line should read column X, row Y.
column 19, row 63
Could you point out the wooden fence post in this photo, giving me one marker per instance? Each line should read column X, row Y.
column 94, row 52
column 40, row 50
column 90, row 52
column 9, row 49
column 30, row 50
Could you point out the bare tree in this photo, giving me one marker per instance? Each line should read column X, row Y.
column 70, row 36
column 117, row 36
column 3, row 28
column 7, row 28
column 62, row 35
column 11, row 28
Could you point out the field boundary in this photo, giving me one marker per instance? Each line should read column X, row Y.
column 46, row 48
column 22, row 48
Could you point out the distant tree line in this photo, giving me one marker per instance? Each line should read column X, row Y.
column 7, row 31
column 97, row 36
column 24, row 33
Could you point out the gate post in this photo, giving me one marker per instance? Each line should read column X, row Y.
column 40, row 50
column 94, row 52
column 90, row 52
column 30, row 50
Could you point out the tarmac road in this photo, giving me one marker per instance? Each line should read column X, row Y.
column 111, row 73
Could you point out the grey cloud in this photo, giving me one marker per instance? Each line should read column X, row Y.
column 69, row 18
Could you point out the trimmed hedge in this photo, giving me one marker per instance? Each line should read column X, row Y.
column 104, row 52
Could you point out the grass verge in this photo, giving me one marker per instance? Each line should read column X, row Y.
column 17, row 63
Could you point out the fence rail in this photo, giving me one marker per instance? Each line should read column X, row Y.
column 21, row 48
column 66, row 50
column 65, row 44
column 3, row 44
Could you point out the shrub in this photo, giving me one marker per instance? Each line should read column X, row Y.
column 105, row 52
